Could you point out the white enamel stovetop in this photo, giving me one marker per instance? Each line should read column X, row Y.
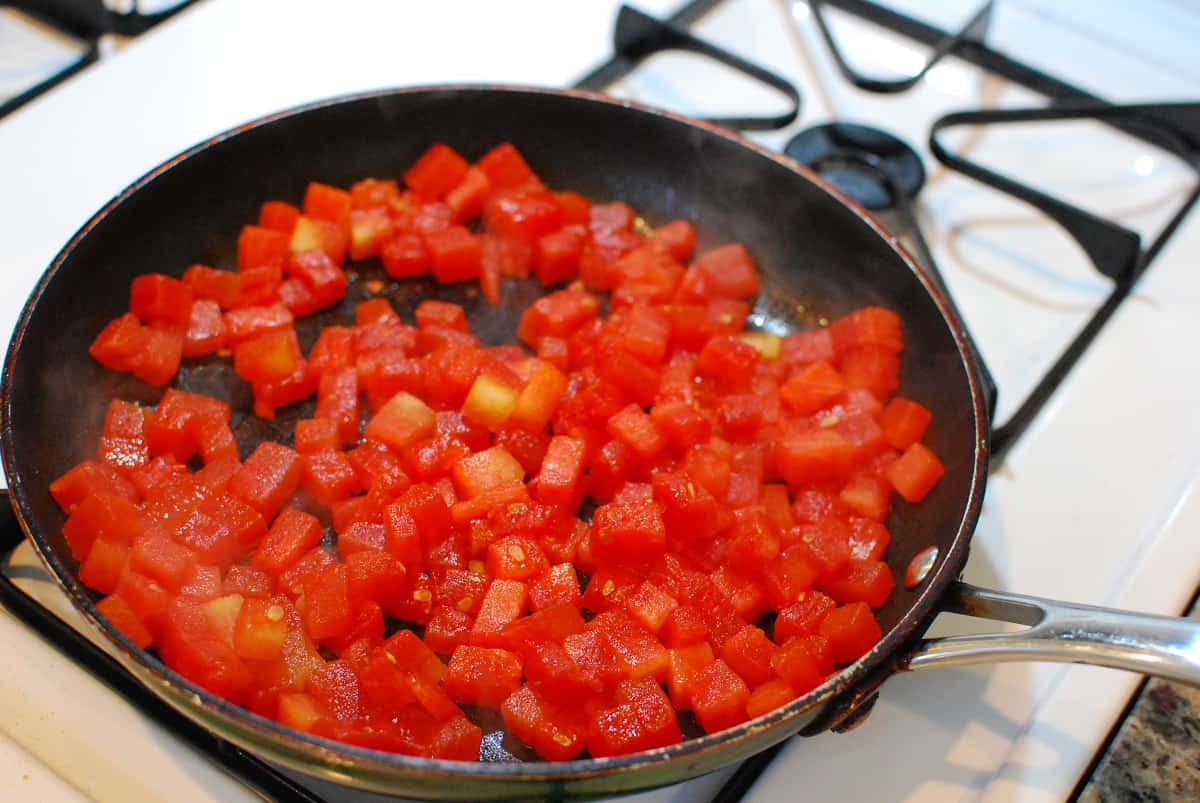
column 1099, row 502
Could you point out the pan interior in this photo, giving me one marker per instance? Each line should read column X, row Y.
column 818, row 258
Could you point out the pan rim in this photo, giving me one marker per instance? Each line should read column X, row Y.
column 346, row 763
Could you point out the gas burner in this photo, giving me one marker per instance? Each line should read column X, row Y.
column 851, row 156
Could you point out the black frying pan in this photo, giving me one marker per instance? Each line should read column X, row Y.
column 819, row 256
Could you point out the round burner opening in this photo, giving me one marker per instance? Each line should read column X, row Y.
column 851, row 156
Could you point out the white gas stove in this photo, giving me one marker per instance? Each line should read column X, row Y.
column 1098, row 501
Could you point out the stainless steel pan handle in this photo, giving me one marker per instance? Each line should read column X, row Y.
column 1163, row 646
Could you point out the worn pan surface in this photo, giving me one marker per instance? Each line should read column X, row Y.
column 819, row 256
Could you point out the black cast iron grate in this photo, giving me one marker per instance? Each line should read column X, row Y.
column 1115, row 251
column 85, row 21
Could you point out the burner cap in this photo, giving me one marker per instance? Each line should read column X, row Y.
column 821, row 146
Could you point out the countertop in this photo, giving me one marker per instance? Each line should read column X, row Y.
column 1154, row 754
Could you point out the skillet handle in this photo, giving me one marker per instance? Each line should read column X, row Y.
column 1162, row 646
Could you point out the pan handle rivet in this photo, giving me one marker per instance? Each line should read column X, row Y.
column 920, row 566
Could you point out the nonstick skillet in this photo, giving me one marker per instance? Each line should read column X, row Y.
column 819, row 256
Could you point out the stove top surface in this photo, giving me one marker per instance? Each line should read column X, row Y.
column 1095, row 503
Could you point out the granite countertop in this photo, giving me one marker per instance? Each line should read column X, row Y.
column 1155, row 753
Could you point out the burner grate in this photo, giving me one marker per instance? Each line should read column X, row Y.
column 973, row 32
column 90, row 54
column 86, row 21
column 1114, row 250
column 638, row 36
